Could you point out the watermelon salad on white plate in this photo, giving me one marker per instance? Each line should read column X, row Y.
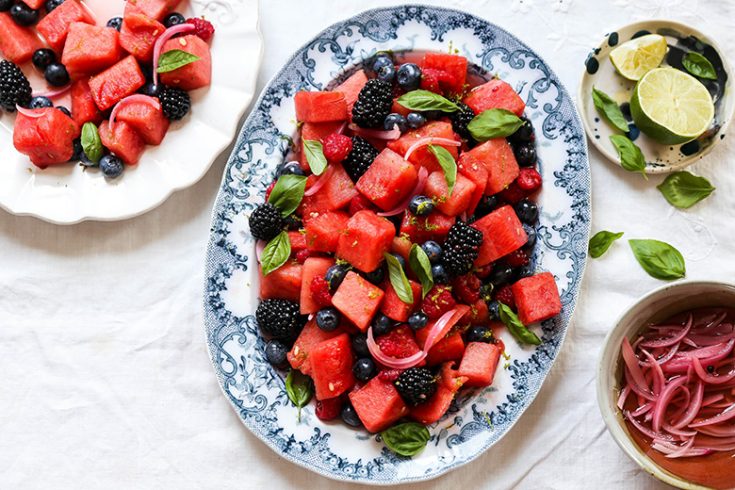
column 107, row 107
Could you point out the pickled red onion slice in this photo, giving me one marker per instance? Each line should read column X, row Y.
column 165, row 36
column 388, row 135
column 390, row 361
column 430, row 141
column 143, row 99
column 32, row 113
column 323, row 178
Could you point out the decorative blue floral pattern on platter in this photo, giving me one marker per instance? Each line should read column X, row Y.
column 476, row 420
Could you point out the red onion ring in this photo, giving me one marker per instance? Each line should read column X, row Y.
column 670, row 341
column 724, row 416
column 442, row 326
column 713, row 379
column 323, row 179
column 418, row 189
column 389, row 135
column 165, row 36
column 693, row 408
column 429, row 141
column 259, row 247
column 663, row 401
column 32, row 113
column 683, row 450
column 645, row 430
column 143, row 99
column 389, row 361
column 51, row 94
column 631, row 362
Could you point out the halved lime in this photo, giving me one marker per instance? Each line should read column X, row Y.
column 671, row 106
column 635, row 58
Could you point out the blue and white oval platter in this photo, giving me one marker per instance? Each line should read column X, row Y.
column 476, row 420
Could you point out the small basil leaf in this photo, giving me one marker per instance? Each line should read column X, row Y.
column 398, row 279
column 288, row 193
column 91, row 142
column 684, row 190
column 699, row 66
column 610, row 109
column 275, row 253
column 299, row 389
column 631, row 157
column 659, row 259
column 315, row 156
column 516, row 327
column 421, row 266
column 407, row 439
column 601, row 242
column 448, row 165
column 424, row 100
column 494, row 123
column 175, row 59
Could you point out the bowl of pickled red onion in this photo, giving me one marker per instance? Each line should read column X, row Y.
column 666, row 384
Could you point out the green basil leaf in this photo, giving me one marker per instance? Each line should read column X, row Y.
column 448, row 165
column 407, row 439
column 699, row 66
column 398, row 279
column 516, row 326
column 424, row 100
column 601, row 242
column 494, row 123
column 631, row 157
column 91, row 142
column 421, row 266
column 684, row 190
column 659, row 259
column 275, row 253
column 609, row 109
column 288, row 193
column 315, row 156
column 299, row 389
column 175, row 59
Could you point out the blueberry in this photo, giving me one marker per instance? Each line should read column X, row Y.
column 531, row 234
column 417, row 320
column 335, row 275
column 523, row 134
column 526, row 155
column 275, row 353
column 364, row 369
column 327, row 319
column 380, row 61
column 400, row 260
column 43, row 57
column 5, row 5
column 84, row 160
column 52, row 4
column 291, row 168
column 173, row 19
column 359, row 345
column 524, row 271
column 433, row 250
column 23, row 15
column 349, row 416
column 439, row 274
column 421, row 205
column 78, row 150
column 381, row 324
column 415, row 120
column 409, row 76
column 387, row 73
column 40, row 102
column 64, row 110
column 486, row 205
column 479, row 334
column 527, row 211
column 111, row 166
column 501, row 274
column 151, row 90
column 377, row 276
column 56, row 75
column 394, row 119
column 493, row 310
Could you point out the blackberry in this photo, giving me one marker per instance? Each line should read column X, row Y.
column 373, row 104
column 266, row 222
column 460, row 249
column 279, row 318
column 14, row 87
column 360, row 158
column 175, row 103
column 416, row 385
column 461, row 119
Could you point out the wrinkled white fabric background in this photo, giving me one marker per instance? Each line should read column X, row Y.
column 105, row 380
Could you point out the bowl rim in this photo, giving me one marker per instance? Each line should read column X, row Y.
column 609, row 352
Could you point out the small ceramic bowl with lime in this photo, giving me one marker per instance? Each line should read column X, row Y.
column 655, row 96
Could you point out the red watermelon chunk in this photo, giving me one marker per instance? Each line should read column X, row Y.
column 402, row 246
column 394, row 308
column 351, row 87
column 458, row 202
column 450, row 348
column 46, row 140
column 477, row 173
column 502, row 234
column 479, row 363
column 500, row 163
column 17, row 43
column 323, row 231
column 537, row 298
column 311, row 336
column 297, row 239
column 423, row 156
column 139, row 33
column 454, row 67
column 367, row 238
column 357, row 299
column 422, row 228
column 83, row 108
column 317, row 132
column 115, row 83
column 90, row 49
column 388, row 181
column 437, row 406
column 155, row 9
column 378, row 404
column 282, row 283
column 495, row 94
column 339, row 189
column 313, row 267
column 320, row 106
column 331, row 367
column 194, row 75
column 146, row 120
column 54, row 27
column 123, row 141
column 34, row 4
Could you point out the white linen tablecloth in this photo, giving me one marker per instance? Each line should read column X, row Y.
column 105, row 381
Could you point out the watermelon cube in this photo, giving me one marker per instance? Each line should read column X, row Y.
column 454, row 67
column 313, row 267
column 537, row 298
column 423, row 156
column 194, row 75
column 479, row 363
column 34, row 4
column 357, row 299
column 331, row 367
column 123, row 141
column 311, row 335
column 351, row 87
column 323, row 232
column 458, row 202
column 155, row 9
column 394, row 308
column 419, row 229
column 495, row 94
column 477, row 173
column 46, row 140
column 450, row 348
column 317, row 132
column 320, row 106
column 367, row 238
column 434, row 409
column 90, row 49
column 147, row 120
column 502, row 233
column 388, row 181
column 378, row 404
column 54, row 27
column 500, row 163
column 283, row 283
column 297, row 239
column 83, row 108
column 139, row 33
column 339, row 189
column 17, row 43
column 115, row 83
column 402, row 246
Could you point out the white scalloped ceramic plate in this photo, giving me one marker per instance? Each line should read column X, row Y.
column 68, row 194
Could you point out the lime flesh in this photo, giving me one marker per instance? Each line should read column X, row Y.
column 635, row 58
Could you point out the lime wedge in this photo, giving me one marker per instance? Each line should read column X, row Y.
column 635, row 58
column 671, row 106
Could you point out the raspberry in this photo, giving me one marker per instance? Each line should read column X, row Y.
column 437, row 302
column 529, row 180
column 398, row 343
column 389, row 375
column 202, row 28
column 302, row 255
column 505, row 296
column 513, row 193
column 467, row 288
column 320, row 292
column 337, row 147
column 328, row 409
column 519, row 258
column 430, row 80
column 358, row 203
column 269, row 190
